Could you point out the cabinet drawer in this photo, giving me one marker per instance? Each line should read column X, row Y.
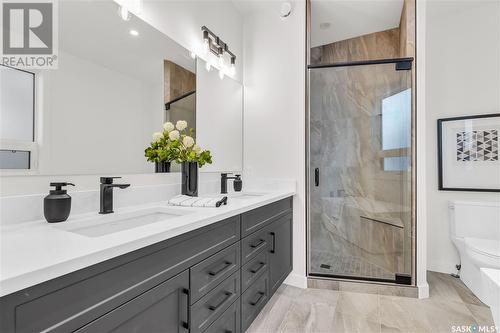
column 161, row 309
column 252, row 269
column 253, row 245
column 213, row 270
column 260, row 217
column 228, row 322
column 253, row 300
column 212, row 305
column 70, row 302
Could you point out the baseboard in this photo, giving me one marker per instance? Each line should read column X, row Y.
column 441, row 266
column 296, row 280
column 423, row 290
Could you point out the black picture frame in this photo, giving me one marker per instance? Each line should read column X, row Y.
column 440, row 153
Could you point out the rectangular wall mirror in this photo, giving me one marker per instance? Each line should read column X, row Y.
column 117, row 83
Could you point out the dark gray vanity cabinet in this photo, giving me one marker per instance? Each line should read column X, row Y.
column 280, row 253
column 213, row 279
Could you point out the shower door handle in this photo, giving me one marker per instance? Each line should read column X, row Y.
column 316, row 177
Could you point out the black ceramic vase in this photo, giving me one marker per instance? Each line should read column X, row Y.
column 189, row 178
column 162, row 166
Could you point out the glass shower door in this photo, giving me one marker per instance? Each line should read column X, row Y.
column 360, row 172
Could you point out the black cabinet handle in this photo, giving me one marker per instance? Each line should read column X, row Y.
column 258, row 300
column 256, row 270
column 185, row 324
column 259, row 243
column 219, row 270
column 316, row 177
column 273, row 248
column 228, row 296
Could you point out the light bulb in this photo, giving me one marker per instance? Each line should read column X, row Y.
column 232, row 70
column 221, row 61
column 124, row 13
column 193, row 55
column 206, row 46
column 208, row 66
column 221, row 73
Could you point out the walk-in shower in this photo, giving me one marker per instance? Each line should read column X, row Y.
column 360, row 170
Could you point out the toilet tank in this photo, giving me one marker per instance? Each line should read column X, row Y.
column 475, row 219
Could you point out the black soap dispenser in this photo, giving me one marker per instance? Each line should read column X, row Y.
column 237, row 183
column 57, row 205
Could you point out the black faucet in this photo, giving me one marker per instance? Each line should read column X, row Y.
column 223, row 182
column 106, row 199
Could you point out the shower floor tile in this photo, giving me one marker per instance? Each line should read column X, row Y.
column 323, row 262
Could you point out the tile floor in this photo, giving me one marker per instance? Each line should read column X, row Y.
column 316, row 310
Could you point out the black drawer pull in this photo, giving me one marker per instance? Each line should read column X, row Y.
column 184, row 324
column 273, row 248
column 228, row 295
column 256, row 270
column 261, row 242
column 258, row 300
column 223, row 267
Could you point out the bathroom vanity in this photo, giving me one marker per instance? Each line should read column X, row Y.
column 213, row 278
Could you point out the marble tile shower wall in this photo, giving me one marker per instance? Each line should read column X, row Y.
column 360, row 214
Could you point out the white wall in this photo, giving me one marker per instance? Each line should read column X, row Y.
column 421, row 186
column 462, row 78
column 274, row 99
column 219, row 115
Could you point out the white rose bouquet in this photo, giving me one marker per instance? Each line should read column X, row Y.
column 176, row 143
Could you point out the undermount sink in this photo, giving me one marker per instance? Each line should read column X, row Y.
column 102, row 225
column 244, row 195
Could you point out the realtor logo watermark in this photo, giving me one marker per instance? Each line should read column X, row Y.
column 29, row 34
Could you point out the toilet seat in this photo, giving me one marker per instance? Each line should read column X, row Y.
column 485, row 247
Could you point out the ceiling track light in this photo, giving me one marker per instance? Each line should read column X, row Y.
column 213, row 44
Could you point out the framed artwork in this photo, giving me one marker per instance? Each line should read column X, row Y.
column 468, row 156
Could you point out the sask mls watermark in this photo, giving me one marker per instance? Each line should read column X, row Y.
column 29, row 37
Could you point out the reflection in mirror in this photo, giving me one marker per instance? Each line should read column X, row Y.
column 180, row 94
column 97, row 111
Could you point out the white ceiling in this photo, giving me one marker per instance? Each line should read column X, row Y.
column 92, row 30
column 352, row 18
column 247, row 6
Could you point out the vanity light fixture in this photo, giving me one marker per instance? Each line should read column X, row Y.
column 127, row 7
column 124, row 13
column 215, row 48
column 232, row 69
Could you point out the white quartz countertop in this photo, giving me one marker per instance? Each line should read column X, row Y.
column 34, row 252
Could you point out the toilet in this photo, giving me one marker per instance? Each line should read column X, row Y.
column 491, row 289
column 475, row 231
